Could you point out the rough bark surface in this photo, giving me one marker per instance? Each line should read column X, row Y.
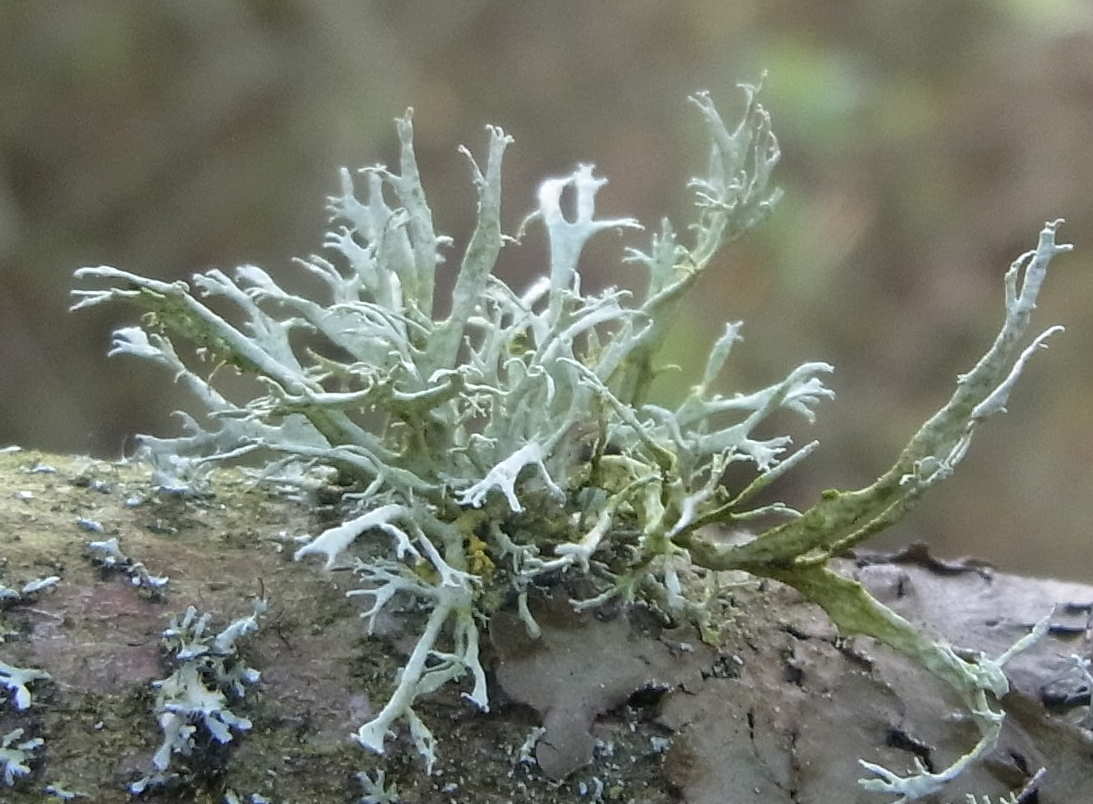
column 631, row 710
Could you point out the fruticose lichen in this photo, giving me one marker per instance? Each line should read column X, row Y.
column 208, row 676
column 10, row 597
column 108, row 554
column 377, row 791
column 15, row 756
column 17, row 680
column 513, row 438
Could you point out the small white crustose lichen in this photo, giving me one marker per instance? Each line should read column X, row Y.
column 513, row 437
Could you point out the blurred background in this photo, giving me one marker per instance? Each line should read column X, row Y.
column 924, row 145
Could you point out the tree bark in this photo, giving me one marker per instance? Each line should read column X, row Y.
column 614, row 705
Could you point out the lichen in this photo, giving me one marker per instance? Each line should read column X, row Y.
column 513, row 439
column 108, row 554
column 18, row 680
column 15, row 756
column 377, row 791
column 208, row 676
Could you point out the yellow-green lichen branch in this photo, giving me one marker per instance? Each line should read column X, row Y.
column 845, row 518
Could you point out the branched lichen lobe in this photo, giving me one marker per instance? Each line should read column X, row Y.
column 513, row 439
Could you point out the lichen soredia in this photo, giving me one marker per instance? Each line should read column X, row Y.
column 514, row 437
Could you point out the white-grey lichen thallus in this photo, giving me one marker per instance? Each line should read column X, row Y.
column 515, row 437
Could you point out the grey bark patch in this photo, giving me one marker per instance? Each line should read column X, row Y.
column 736, row 719
column 989, row 611
column 761, row 737
column 582, row 667
column 775, row 737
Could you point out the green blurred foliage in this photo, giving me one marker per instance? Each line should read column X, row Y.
column 924, row 144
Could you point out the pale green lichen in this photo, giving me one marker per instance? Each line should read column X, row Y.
column 108, row 554
column 208, row 676
column 514, row 437
column 377, row 791
column 59, row 791
column 14, row 757
column 18, row 681
column 9, row 596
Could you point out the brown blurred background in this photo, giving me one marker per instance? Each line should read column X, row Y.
column 924, row 145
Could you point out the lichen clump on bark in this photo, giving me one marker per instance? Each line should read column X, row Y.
column 513, row 438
